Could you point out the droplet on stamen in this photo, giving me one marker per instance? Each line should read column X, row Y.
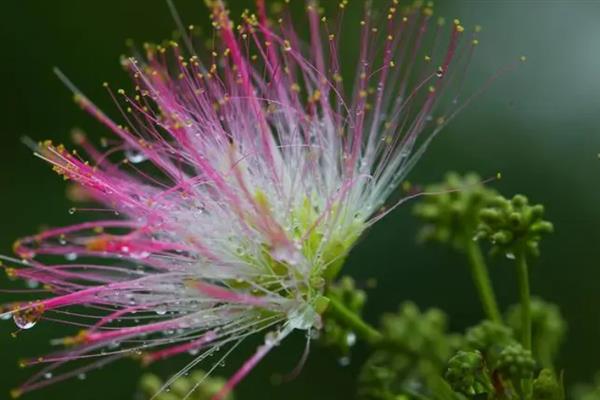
column 26, row 318
column 135, row 156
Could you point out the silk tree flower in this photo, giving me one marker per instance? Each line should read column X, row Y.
column 239, row 181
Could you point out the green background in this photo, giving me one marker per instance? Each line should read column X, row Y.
column 538, row 125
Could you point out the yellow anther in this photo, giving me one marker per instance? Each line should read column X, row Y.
column 81, row 337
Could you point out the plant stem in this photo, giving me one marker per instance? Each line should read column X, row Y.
column 525, row 296
column 523, row 280
column 349, row 318
column 482, row 281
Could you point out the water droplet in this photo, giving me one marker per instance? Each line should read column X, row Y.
column 344, row 361
column 303, row 319
column 510, row 256
column 72, row 210
column 32, row 283
column 351, row 339
column 48, row 375
column 286, row 253
column 26, row 318
column 440, row 72
column 135, row 156
column 271, row 339
column 81, row 376
column 6, row 316
column 160, row 310
column 140, row 255
column 71, row 256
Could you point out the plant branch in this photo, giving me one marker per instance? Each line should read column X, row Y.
column 352, row 320
column 525, row 298
column 482, row 281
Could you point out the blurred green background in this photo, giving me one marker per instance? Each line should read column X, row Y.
column 539, row 126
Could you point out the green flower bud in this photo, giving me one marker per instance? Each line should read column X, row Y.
column 412, row 357
column 184, row 387
column 515, row 363
column 513, row 226
column 547, row 387
column 451, row 215
column 489, row 337
column 548, row 329
column 414, row 332
column 466, row 373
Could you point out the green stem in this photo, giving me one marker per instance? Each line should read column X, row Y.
column 353, row 321
column 482, row 281
column 525, row 296
column 523, row 280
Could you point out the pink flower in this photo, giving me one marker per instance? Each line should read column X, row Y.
column 240, row 180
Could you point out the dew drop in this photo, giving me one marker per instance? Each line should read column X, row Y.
column 271, row 339
column 48, row 375
column 81, row 376
column 72, row 210
column 344, row 361
column 510, row 256
column 71, row 256
column 160, row 310
column 135, row 156
column 27, row 318
column 351, row 339
column 140, row 255
column 440, row 72
column 32, row 283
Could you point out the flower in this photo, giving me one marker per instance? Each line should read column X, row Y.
column 240, row 181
